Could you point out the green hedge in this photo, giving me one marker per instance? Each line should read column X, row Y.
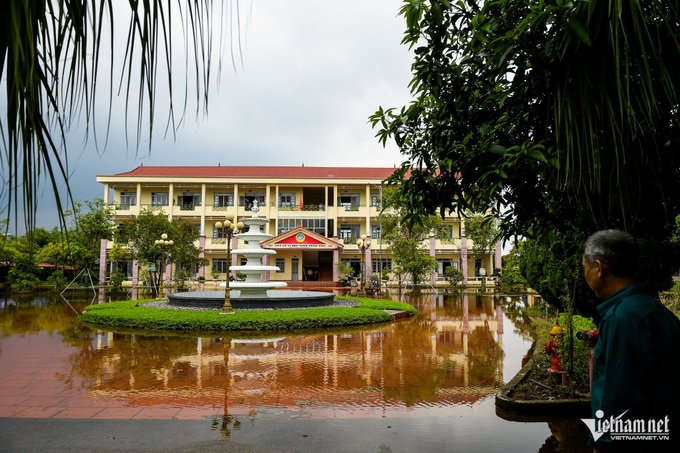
column 131, row 315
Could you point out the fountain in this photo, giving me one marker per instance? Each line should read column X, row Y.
column 254, row 286
column 254, row 292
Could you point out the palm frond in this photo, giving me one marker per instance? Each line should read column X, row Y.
column 51, row 60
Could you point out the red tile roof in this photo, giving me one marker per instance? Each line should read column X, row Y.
column 219, row 171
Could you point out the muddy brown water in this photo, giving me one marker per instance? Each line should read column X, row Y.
column 425, row 384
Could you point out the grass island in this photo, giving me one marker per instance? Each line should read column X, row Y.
column 135, row 315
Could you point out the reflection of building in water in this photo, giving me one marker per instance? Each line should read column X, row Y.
column 446, row 355
column 453, row 330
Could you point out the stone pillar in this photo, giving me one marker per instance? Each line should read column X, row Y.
column 368, row 269
column 433, row 253
column 171, row 200
column 499, row 319
column 498, row 257
column 464, row 258
column 102, row 261
column 336, row 262
column 106, row 193
column 466, row 314
column 201, row 253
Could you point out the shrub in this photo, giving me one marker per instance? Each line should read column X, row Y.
column 453, row 275
column 57, row 279
column 671, row 299
column 116, row 282
column 24, row 274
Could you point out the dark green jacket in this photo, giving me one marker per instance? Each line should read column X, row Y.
column 636, row 370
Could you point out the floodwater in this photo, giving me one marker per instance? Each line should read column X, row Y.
column 425, row 384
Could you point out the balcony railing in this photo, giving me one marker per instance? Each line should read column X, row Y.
column 349, row 240
column 350, row 207
column 305, row 207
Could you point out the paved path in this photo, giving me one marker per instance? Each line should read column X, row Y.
column 176, row 436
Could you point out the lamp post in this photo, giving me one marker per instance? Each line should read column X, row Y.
column 363, row 244
column 164, row 244
column 228, row 229
column 380, row 266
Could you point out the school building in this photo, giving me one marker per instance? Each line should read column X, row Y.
column 316, row 214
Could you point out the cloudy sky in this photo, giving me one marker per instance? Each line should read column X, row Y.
column 311, row 74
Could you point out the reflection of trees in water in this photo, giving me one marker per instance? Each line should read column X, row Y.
column 567, row 435
column 31, row 313
column 485, row 356
column 410, row 371
column 517, row 313
column 132, row 361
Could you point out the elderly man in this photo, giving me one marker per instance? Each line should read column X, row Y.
column 636, row 372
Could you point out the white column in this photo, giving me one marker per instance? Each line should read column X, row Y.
column 236, row 200
column 368, row 210
column 106, row 193
column 171, row 200
column 203, row 207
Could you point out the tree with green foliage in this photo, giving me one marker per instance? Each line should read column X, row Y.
column 185, row 253
column 56, row 57
column 544, row 108
column 40, row 237
column 118, row 255
column 511, row 280
column 553, row 268
column 483, row 232
column 538, row 112
column 406, row 242
column 139, row 235
column 56, row 253
column 453, row 276
column 88, row 228
column 17, row 249
column 24, row 274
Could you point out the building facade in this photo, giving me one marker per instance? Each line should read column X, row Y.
column 316, row 214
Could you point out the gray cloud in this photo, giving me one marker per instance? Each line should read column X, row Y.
column 311, row 75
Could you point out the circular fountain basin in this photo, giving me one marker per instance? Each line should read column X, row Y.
column 273, row 300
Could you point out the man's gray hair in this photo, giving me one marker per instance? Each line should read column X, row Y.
column 614, row 248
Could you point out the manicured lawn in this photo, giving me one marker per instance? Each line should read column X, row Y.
column 131, row 315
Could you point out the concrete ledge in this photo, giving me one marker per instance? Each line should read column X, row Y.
column 514, row 409
column 275, row 299
column 398, row 315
